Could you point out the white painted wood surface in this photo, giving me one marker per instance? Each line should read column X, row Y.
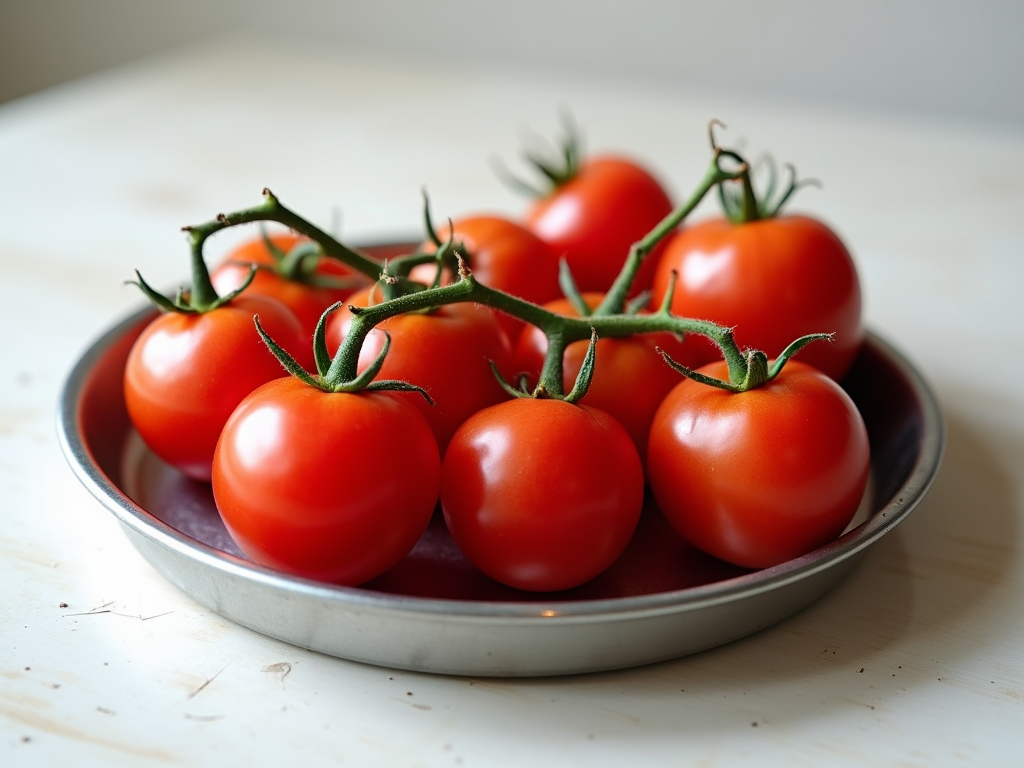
column 916, row 659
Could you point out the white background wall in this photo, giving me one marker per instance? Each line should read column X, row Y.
column 950, row 58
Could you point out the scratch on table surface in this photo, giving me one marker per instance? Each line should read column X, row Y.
column 105, row 608
column 199, row 690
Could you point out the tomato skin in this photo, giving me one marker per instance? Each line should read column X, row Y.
column 187, row 372
column 773, row 281
column 541, row 495
column 593, row 219
column 504, row 255
column 336, row 487
column 446, row 352
column 630, row 377
column 306, row 301
column 759, row 477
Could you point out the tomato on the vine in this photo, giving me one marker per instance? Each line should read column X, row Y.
column 333, row 486
column 447, row 352
column 307, row 292
column 505, row 255
column 630, row 377
column 759, row 477
column 771, row 280
column 187, row 372
column 596, row 213
column 541, row 494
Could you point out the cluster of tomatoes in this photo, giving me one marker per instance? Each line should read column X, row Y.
column 424, row 379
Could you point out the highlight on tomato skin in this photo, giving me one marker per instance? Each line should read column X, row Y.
column 760, row 477
column 332, row 486
column 541, row 494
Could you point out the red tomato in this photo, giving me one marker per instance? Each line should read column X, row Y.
column 506, row 256
column 187, row 372
column 330, row 486
column 446, row 352
column 630, row 377
column 541, row 495
column 759, row 477
column 307, row 301
column 772, row 281
column 593, row 219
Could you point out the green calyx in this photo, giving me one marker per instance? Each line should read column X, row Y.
column 756, row 370
column 299, row 264
column 745, row 204
column 202, row 297
column 327, row 378
column 556, row 170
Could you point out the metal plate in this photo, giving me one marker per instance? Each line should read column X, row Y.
column 434, row 612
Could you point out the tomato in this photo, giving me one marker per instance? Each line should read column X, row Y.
column 505, row 255
column 594, row 218
column 446, row 352
column 327, row 485
column 772, row 281
column 541, row 495
column 760, row 477
column 630, row 377
column 187, row 372
column 307, row 300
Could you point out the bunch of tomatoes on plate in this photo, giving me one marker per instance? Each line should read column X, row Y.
column 534, row 377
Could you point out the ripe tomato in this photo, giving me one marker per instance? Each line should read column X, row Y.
column 446, row 352
column 306, row 299
column 187, row 372
column 763, row 476
column 503, row 255
column 593, row 218
column 541, row 495
column 772, row 281
column 330, row 486
column 630, row 377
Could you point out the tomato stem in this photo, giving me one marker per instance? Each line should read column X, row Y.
column 757, row 370
column 559, row 329
column 272, row 210
column 615, row 299
column 202, row 297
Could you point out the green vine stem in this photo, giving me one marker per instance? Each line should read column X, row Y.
column 615, row 299
column 299, row 264
column 271, row 209
column 559, row 329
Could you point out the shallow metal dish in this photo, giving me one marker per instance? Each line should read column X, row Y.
column 434, row 612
